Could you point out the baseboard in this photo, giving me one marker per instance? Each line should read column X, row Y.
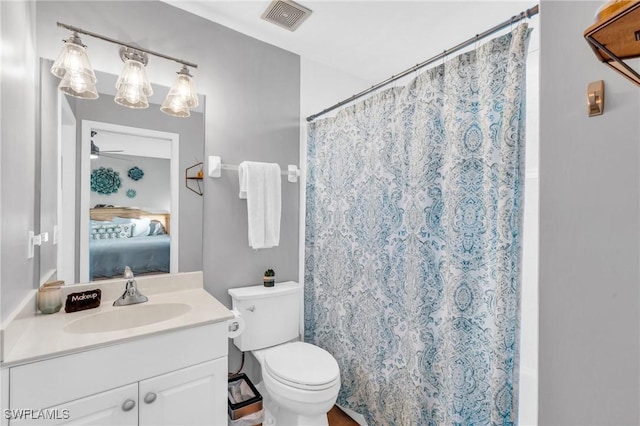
column 358, row 418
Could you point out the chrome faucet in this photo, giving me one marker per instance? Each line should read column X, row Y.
column 131, row 295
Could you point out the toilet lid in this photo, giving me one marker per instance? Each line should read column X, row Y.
column 302, row 363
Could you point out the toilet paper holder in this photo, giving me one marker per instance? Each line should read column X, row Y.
column 235, row 325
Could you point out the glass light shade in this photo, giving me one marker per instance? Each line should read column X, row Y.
column 181, row 97
column 131, row 96
column 78, row 85
column 73, row 58
column 175, row 106
column 134, row 75
column 74, row 68
column 133, row 85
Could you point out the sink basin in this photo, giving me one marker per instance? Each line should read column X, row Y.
column 126, row 317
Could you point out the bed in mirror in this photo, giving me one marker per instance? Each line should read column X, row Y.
column 128, row 236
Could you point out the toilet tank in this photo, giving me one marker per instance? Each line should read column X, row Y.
column 271, row 314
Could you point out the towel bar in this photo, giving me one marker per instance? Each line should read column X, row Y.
column 216, row 166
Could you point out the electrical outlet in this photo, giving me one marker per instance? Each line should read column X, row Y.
column 638, row 35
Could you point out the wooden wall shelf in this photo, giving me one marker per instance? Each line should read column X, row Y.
column 190, row 176
column 617, row 38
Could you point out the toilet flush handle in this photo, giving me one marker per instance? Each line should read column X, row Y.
column 251, row 308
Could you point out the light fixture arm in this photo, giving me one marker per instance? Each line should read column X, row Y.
column 130, row 46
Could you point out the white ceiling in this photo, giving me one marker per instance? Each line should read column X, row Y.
column 371, row 40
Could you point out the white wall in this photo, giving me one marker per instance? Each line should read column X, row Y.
column 528, row 397
column 589, row 233
column 18, row 89
column 153, row 191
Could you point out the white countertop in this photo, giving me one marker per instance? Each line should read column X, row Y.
column 37, row 337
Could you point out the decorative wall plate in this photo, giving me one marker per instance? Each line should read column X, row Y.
column 135, row 173
column 131, row 193
column 105, row 180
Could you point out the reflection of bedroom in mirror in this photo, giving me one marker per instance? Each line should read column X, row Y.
column 139, row 156
column 129, row 201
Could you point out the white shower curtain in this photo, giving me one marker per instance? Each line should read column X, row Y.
column 413, row 235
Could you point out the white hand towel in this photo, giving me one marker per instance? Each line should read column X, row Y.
column 260, row 185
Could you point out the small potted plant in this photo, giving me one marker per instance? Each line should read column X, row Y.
column 269, row 278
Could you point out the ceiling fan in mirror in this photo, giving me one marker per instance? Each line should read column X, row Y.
column 97, row 153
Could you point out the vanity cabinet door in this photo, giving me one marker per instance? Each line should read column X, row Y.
column 190, row 396
column 115, row 407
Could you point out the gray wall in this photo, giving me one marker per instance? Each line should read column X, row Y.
column 18, row 88
column 191, row 131
column 589, row 240
column 252, row 113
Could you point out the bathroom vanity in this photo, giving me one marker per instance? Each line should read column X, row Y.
column 163, row 362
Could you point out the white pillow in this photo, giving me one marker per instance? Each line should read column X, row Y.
column 120, row 230
column 141, row 228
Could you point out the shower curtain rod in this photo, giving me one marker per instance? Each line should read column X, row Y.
column 516, row 18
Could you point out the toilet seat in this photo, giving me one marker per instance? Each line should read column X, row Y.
column 302, row 366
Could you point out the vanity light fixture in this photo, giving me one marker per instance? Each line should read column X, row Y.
column 74, row 68
column 133, row 87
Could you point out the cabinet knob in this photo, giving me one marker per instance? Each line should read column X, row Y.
column 150, row 397
column 128, row 405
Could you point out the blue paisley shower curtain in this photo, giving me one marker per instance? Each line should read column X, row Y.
column 413, row 242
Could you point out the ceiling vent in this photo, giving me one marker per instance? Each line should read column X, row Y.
column 286, row 14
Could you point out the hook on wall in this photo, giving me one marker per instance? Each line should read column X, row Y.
column 595, row 98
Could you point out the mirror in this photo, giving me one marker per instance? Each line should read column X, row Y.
column 113, row 187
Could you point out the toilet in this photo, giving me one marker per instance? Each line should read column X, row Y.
column 301, row 380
